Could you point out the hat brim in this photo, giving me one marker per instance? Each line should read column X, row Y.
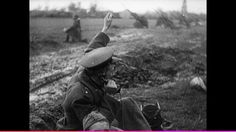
column 96, row 57
column 116, row 58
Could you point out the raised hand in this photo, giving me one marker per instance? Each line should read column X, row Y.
column 107, row 22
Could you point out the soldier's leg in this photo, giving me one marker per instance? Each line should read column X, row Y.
column 130, row 116
column 96, row 121
column 152, row 113
column 76, row 36
column 67, row 38
column 79, row 36
column 73, row 39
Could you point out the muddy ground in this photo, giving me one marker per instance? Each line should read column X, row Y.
column 164, row 62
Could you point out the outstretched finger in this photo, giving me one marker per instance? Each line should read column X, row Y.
column 110, row 15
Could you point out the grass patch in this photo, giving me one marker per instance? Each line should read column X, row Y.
column 184, row 106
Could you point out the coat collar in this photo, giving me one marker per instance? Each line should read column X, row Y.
column 91, row 80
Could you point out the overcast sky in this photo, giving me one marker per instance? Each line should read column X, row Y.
column 139, row 6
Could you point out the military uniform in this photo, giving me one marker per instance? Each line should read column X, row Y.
column 85, row 94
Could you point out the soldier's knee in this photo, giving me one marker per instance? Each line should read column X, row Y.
column 95, row 121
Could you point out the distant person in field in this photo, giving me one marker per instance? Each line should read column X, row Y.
column 73, row 33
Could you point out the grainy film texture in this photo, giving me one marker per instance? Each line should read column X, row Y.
column 161, row 50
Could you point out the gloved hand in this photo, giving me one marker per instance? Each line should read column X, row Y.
column 107, row 22
column 111, row 87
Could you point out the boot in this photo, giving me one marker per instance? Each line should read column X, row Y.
column 152, row 113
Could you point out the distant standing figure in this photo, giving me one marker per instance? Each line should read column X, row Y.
column 74, row 32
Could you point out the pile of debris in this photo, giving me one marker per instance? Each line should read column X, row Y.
column 183, row 21
column 164, row 21
column 140, row 21
column 44, row 116
column 157, row 65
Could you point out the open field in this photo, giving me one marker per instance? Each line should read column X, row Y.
column 165, row 61
column 47, row 32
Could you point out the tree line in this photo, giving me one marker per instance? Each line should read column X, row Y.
column 69, row 11
column 94, row 12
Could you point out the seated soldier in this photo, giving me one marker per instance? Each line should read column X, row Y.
column 88, row 104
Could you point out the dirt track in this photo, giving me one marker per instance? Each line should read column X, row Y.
column 162, row 59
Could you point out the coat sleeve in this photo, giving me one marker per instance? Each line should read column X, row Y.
column 108, row 107
column 69, row 29
column 107, row 113
column 81, row 102
column 100, row 40
column 82, row 107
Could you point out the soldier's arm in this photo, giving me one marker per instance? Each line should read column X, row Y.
column 101, row 39
column 82, row 106
column 74, row 25
column 69, row 29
